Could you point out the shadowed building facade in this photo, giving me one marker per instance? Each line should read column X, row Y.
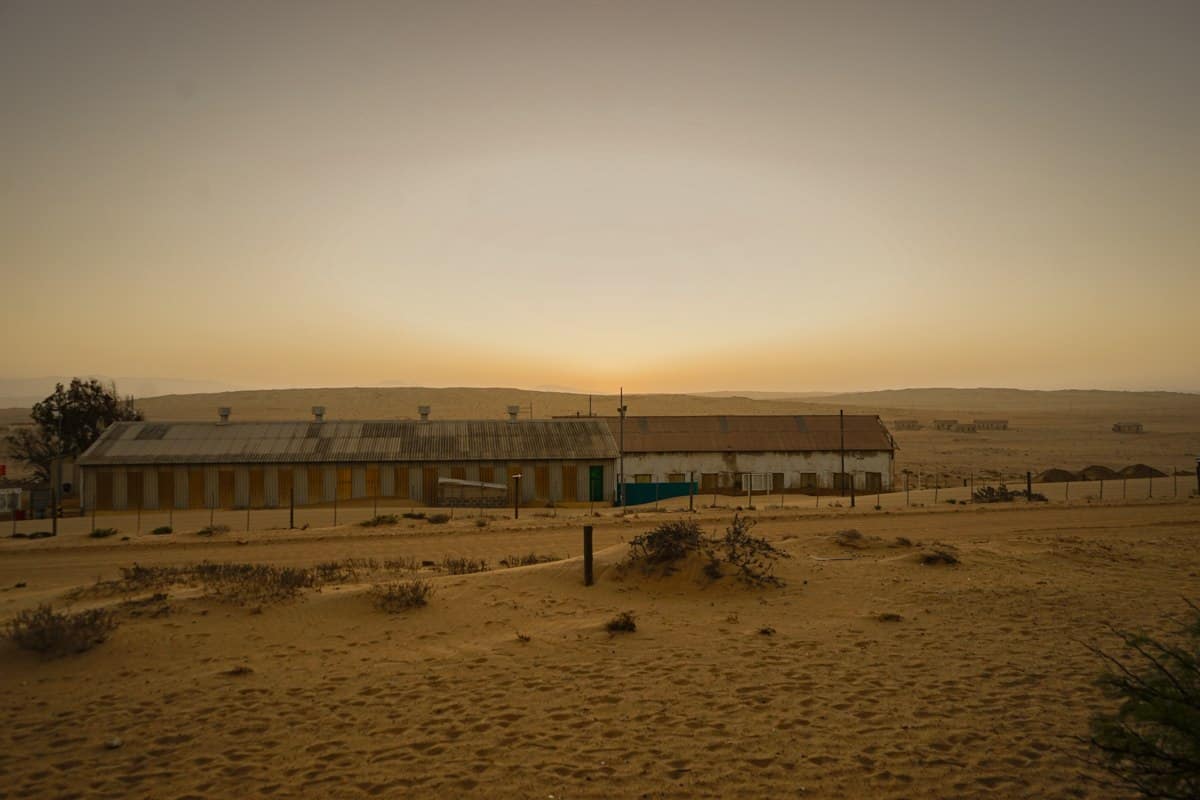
column 221, row 464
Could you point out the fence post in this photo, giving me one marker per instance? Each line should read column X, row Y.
column 1102, row 489
column 1028, row 487
column 587, row 555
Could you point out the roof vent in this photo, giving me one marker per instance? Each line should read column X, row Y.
column 424, row 412
column 512, row 413
column 223, row 412
column 318, row 413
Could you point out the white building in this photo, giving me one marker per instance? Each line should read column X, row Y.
column 799, row 453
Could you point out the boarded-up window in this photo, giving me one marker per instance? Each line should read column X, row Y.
column 345, row 484
column 285, row 486
column 676, row 477
column 316, row 484
column 429, row 486
column 104, row 490
column 258, row 488
column 808, row 480
column 487, row 474
column 166, row 488
column 541, row 487
column 196, row 496
column 402, row 482
column 708, row 481
column 225, row 484
column 134, row 494
column 570, row 483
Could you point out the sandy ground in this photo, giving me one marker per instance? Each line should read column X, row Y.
column 977, row 691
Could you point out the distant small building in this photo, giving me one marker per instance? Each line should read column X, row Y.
column 991, row 424
column 1127, row 427
column 965, row 427
column 906, row 424
column 944, row 424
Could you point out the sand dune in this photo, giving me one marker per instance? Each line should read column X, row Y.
column 975, row 692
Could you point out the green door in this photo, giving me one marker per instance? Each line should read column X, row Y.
column 596, row 483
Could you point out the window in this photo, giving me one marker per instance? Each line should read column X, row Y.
column 677, row 477
column 808, row 480
column 708, row 481
column 643, row 478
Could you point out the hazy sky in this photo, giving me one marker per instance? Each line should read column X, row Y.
column 668, row 196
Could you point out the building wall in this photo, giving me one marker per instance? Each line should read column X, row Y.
column 347, row 481
column 730, row 466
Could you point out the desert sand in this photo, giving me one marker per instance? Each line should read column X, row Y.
column 508, row 685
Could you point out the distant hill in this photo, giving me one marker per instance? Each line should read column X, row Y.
column 1017, row 400
column 24, row 392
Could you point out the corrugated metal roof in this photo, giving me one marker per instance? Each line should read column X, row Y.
column 307, row 442
column 750, row 433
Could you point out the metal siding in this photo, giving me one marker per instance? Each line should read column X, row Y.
column 358, row 482
column 150, row 489
column 120, row 490
column 387, row 480
column 271, row 487
column 241, row 487
column 331, row 442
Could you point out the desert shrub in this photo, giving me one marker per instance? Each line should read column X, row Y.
column 380, row 519
column 103, row 533
column 253, row 583
column 753, row 556
column 210, row 530
column 850, row 538
column 413, row 515
column 527, row 559
column 668, row 543
column 401, row 595
column 481, row 522
column 33, row 535
column 1150, row 743
column 621, row 623
column 463, row 566
column 938, row 557
column 45, row 631
column 409, row 563
column 903, row 541
column 162, row 530
column 889, row 616
column 766, row 630
column 438, row 519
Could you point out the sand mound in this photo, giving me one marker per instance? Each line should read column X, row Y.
column 1141, row 471
column 1098, row 473
column 1055, row 476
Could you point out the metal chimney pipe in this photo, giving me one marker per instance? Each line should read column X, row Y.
column 318, row 413
column 424, row 412
column 512, row 413
column 223, row 412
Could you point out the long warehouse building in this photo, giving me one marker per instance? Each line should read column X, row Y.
column 222, row 464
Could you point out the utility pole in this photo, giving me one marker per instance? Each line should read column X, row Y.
column 621, row 409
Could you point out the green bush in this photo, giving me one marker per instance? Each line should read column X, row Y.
column 45, row 631
column 1150, row 743
column 103, row 533
column 209, row 530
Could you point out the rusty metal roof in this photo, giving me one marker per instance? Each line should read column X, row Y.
column 310, row 442
column 750, row 434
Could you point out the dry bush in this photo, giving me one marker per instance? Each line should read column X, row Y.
column 850, row 538
column 889, row 617
column 752, row 557
column 408, row 563
column 463, row 566
column 162, row 530
column 413, row 515
column 527, row 559
column 939, row 557
column 481, row 522
column 209, row 530
column 438, row 519
column 380, row 519
column 103, row 533
column 668, row 543
column 401, row 595
column 44, row 631
column 621, row 623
